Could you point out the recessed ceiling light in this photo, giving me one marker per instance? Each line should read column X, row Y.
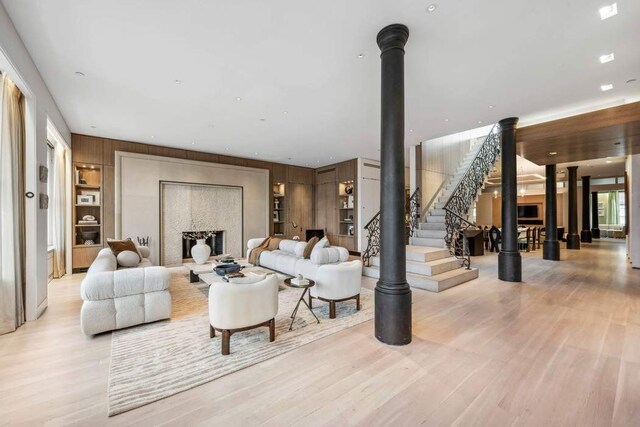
column 285, row 112
column 152, row 136
column 631, row 80
column 606, row 87
column 93, row 127
column 80, row 74
column 256, row 153
column 238, row 99
column 193, row 143
column 410, row 130
column 226, row 149
column 177, row 82
column 479, row 122
column 446, row 120
column 212, row 125
column 361, row 55
column 262, row 120
column 608, row 11
column 330, row 157
column 490, row 106
column 553, row 153
column 431, row 8
column 607, row 58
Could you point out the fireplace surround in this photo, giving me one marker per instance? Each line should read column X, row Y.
column 215, row 242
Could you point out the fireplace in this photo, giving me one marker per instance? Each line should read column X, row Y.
column 215, row 242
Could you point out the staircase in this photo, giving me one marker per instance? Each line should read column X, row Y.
column 435, row 262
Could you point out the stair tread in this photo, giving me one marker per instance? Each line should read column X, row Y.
column 424, row 249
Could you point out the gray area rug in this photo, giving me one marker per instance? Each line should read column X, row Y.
column 157, row 360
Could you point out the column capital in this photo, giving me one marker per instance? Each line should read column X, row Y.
column 508, row 123
column 572, row 167
column 585, row 177
column 393, row 36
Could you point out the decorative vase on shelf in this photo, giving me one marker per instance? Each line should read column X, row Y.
column 200, row 252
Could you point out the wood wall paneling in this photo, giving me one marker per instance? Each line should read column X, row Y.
column 101, row 151
column 87, row 149
column 299, row 199
column 108, row 201
column 279, row 172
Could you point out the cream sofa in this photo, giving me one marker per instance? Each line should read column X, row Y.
column 116, row 298
column 337, row 279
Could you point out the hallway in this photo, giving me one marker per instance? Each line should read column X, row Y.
column 561, row 348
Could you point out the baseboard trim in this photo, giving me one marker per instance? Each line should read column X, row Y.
column 42, row 307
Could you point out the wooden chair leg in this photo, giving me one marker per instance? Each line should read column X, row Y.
column 272, row 330
column 358, row 302
column 226, row 338
column 332, row 309
column 212, row 331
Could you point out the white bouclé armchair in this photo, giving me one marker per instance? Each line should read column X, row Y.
column 337, row 283
column 236, row 307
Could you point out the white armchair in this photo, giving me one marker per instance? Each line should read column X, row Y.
column 336, row 283
column 236, row 307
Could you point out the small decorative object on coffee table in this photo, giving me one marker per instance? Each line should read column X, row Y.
column 300, row 282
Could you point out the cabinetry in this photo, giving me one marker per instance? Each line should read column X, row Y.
column 336, row 200
column 279, row 211
column 87, row 214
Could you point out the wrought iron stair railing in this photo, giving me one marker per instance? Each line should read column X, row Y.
column 465, row 192
column 412, row 220
column 459, row 245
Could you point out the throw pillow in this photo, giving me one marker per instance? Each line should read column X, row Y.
column 299, row 249
column 310, row 244
column 128, row 259
column 144, row 251
column 118, row 246
column 324, row 243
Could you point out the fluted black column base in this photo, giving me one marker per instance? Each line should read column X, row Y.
column 510, row 266
column 573, row 241
column 393, row 316
column 551, row 250
column 585, row 236
column 595, row 233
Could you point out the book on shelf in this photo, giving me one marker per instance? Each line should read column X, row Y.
column 87, row 222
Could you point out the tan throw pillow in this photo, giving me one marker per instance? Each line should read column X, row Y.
column 310, row 244
column 118, row 246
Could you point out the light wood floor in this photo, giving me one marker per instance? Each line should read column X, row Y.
column 562, row 348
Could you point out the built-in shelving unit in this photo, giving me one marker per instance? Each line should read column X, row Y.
column 279, row 211
column 346, row 216
column 87, row 204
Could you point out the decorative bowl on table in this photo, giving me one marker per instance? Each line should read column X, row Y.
column 228, row 260
column 224, row 269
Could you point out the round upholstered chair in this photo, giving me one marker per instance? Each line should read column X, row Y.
column 240, row 306
column 337, row 283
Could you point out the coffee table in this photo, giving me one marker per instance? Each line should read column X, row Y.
column 195, row 270
column 306, row 289
column 212, row 277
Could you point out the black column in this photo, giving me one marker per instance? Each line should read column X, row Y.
column 585, row 234
column 509, row 259
column 393, row 294
column 573, row 240
column 595, row 231
column 551, row 245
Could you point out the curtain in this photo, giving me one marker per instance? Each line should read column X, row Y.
column 612, row 214
column 58, row 203
column 12, row 235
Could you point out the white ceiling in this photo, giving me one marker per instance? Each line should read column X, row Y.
column 527, row 59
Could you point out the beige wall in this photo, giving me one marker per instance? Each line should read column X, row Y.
column 496, row 208
column 137, row 193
